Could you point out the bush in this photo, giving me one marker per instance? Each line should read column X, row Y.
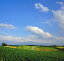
column 4, row 44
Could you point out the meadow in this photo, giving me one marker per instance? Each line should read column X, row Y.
column 26, row 54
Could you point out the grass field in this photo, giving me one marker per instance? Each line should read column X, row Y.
column 20, row 54
column 38, row 48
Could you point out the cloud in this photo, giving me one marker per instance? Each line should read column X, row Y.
column 49, row 22
column 11, row 38
column 59, row 38
column 17, row 38
column 9, row 26
column 59, row 16
column 61, row 3
column 31, row 39
column 38, row 31
column 41, row 7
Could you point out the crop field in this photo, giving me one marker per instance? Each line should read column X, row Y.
column 37, row 48
column 17, row 54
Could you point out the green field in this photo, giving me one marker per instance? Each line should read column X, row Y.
column 20, row 54
column 38, row 48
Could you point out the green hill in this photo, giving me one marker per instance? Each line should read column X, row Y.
column 38, row 48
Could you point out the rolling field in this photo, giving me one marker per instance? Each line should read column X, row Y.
column 19, row 54
column 37, row 48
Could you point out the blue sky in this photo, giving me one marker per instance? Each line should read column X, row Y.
column 36, row 20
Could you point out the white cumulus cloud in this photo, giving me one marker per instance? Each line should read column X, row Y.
column 38, row 31
column 41, row 7
column 59, row 16
column 9, row 26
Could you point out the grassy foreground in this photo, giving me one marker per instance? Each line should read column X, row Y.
column 15, row 54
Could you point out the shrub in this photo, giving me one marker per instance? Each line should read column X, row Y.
column 4, row 44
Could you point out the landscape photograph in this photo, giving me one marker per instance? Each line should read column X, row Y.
column 31, row 30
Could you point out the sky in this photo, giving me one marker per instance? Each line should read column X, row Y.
column 32, row 22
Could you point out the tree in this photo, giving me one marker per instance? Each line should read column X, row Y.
column 4, row 44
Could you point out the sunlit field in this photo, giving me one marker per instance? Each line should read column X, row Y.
column 60, row 47
column 25, row 53
column 11, row 46
column 38, row 48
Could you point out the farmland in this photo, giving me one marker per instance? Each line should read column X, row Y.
column 27, row 54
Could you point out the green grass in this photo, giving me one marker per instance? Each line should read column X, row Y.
column 36, row 47
column 15, row 54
